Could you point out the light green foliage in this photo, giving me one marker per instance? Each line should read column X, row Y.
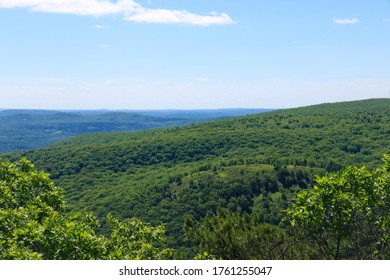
column 21, row 185
column 133, row 239
column 33, row 224
column 347, row 214
column 204, row 257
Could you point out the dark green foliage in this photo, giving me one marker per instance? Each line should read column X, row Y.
column 234, row 236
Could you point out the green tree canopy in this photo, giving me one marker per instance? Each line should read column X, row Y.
column 232, row 236
column 347, row 214
column 33, row 224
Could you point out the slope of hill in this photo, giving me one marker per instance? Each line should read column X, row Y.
column 255, row 163
column 31, row 129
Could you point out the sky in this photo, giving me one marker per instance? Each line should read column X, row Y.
column 192, row 54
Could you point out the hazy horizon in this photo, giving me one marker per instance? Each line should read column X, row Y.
column 186, row 109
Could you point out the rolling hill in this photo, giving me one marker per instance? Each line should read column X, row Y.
column 254, row 164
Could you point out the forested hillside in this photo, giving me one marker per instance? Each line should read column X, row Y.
column 32, row 129
column 255, row 165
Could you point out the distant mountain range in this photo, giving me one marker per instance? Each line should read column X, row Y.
column 32, row 129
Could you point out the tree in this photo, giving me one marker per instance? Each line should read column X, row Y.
column 33, row 224
column 347, row 214
column 133, row 239
column 234, row 236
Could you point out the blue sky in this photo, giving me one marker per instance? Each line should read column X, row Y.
column 187, row 54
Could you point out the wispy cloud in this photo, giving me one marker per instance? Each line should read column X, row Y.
column 75, row 7
column 203, row 79
column 97, row 26
column 103, row 46
column 176, row 16
column 346, row 20
column 131, row 11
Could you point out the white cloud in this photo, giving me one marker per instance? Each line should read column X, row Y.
column 130, row 10
column 103, row 46
column 75, row 7
column 175, row 16
column 346, row 20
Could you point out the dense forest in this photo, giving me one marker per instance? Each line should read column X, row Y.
column 32, row 129
column 219, row 187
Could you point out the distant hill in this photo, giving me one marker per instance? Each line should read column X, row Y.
column 31, row 129
column 255, row 163
column 200, row 114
